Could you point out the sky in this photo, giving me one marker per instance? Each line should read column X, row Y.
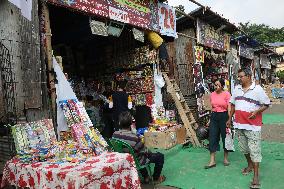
column 269, row 12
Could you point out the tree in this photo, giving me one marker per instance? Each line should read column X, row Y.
column 180, row 8
column 263, row 33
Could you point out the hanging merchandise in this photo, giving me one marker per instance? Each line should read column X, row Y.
column 98, row 28
column 63, row 91
column 74, row 112
column 200, row 88
column 138, row 35
column 159, row 84
column 264, row 61
column 246, row 51
column 199, row 54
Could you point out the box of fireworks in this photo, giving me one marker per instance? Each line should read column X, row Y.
column 171, row 115
column 181, row 134
column 160, row 139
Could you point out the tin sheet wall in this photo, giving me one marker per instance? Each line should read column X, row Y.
column 21, row 37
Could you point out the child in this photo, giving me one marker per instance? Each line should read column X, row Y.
column 142, row 153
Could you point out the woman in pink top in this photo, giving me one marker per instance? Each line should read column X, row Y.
column 219, row 116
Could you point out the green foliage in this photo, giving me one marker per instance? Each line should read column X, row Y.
column 263, row 33
column 280, row 75
column 180, row 8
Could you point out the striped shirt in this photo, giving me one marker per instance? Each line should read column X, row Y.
column 246, row 103
column 135, row 142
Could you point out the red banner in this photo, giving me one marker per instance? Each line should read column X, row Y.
column 140, row 13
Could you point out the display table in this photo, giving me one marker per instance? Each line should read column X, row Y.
column 109, row 170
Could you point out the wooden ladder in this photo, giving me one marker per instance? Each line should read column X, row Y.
column 183, row 110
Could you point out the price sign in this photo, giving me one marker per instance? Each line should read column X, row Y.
column 167, row 20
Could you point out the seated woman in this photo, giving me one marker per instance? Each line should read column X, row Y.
column 142, row 153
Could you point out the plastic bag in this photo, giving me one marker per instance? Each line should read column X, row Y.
column 229, row 140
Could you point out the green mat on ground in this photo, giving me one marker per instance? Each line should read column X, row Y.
column 273, row 119
column 184, row 168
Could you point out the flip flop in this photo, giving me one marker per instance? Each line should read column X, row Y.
column 226, row 164
column 255, row 186
column 160, row 180
column 246, row 171
column 209, row 166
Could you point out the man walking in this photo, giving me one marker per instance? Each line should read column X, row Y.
column 248, row 102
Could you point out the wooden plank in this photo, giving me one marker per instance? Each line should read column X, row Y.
column 182, row 112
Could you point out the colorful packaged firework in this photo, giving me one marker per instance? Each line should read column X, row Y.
column 74, row 110
column 67, row 113
column 78, row 132
column 83, row 114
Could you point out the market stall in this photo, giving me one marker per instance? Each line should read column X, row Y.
column 210, row 63
column 77, row 161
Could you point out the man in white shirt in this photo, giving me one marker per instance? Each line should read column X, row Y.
column 247, row 104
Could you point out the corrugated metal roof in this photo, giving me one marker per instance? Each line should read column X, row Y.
column 247, row 40
column 276, row 44
column 214, row 19
column 210, row 17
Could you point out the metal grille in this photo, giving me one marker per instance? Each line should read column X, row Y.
column 8, row 82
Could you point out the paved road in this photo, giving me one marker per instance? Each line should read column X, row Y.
column 274, row 132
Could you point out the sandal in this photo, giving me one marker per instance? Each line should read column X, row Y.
column 246, row 171
column 255, row 186
column 209, row 166
column 226, row 164
column 160, row 180
column 146, row 180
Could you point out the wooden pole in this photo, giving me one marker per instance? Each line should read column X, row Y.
column 48, row 54
column 195, row 2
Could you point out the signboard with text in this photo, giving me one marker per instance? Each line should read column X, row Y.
column 167, row 20
column 246, row 51
column 209, row 37
column 140, row 13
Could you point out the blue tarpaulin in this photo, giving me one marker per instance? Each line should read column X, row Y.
column 277, row 92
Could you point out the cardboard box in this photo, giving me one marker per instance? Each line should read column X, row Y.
column 162, row 140
column 181, row 134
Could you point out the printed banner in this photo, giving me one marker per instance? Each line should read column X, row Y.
column 199, row 54
column 143, row 14
column 264, row 61
column 167, row 20
column 246, row 51
column 208, row 36
column 200, row 90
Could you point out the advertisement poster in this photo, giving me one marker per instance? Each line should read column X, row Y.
column 142, row 14
column 209, row 37
column 167, row 20
column 200, row 90
column 199, row 54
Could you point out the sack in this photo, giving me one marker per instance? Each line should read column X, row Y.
column 229, row 140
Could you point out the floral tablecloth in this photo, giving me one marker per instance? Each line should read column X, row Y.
column 109, row 170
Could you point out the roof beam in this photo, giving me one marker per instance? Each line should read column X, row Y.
column 184, row 14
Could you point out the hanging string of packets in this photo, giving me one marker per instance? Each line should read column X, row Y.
column 139, row 56
column 74, row 112
column 142, row 99
column 88, row 138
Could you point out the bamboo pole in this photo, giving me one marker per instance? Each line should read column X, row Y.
column 48, row 54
